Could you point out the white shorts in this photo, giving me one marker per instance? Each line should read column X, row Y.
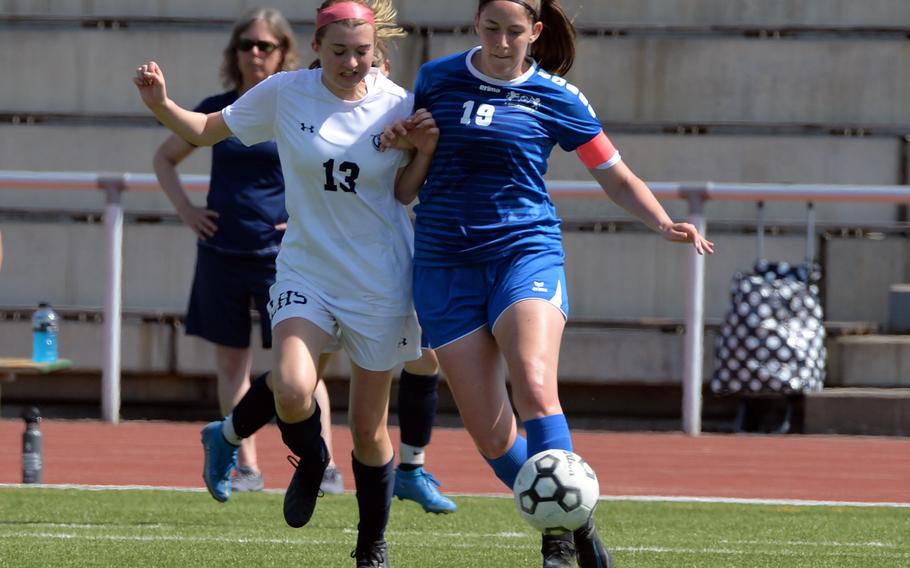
column 374, row 343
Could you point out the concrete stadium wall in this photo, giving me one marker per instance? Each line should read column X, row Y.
column 89, row 71
column 615, row 12
column 625, row 275
column 655, row 157
column 719, row 79
column 652, row 76
column 65, row 264
column 768, row 159
column 837, row 81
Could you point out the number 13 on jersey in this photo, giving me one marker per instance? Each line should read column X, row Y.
column 483, row 117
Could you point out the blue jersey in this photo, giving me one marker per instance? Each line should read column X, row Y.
column 247, row 191
column 485, row 195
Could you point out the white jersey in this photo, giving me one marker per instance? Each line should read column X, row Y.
column 346, row 235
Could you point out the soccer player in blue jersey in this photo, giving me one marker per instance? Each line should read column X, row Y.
column 488, row 274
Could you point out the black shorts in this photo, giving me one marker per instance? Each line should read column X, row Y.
column 225, row 289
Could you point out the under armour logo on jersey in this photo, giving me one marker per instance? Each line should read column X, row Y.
column 539, row 286
column 305, row 128
column 403, row 342
column 377, row 140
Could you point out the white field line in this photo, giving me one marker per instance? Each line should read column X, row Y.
column 634, row 498
column 465, row 535
column 471, row 543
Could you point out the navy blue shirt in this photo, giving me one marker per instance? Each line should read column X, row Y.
column 247, row 191
column 485, row 195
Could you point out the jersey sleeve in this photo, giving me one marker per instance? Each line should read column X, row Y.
column 421, row 88
column 251, row 118
column 578, row 130
column 405, row 110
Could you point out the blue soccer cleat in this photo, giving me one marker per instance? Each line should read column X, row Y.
column 418, row 485
column 220, row 461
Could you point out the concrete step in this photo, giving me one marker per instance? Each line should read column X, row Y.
column 657, row 87
column 610, row 275
column 866, row 411
column 791, row 13
column 870, row 361
column 108, row 146
column 657, row 83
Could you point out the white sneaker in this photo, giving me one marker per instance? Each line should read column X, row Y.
column 332, row 484
column 247, row 479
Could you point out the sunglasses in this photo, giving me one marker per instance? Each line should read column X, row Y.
column 245, row 44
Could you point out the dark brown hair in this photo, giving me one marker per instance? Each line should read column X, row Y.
column 554, row 49
column 280, row 28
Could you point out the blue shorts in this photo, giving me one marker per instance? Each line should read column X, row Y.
column 453, row 302
column 225, row 289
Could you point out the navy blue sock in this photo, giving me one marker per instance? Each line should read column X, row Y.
column 255, row 409
column 417, row 402
column 303, row 438
column 547, row 433
column 374, row 499
column 507, row 465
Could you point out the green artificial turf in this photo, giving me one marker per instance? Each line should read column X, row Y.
column 43, row 527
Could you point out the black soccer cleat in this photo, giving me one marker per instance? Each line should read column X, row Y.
column 300, row 498
column 372, row 555
column 558, row 551
column 589, row 549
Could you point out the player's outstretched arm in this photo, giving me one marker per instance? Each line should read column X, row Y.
column 633, row 195
column 196, row 128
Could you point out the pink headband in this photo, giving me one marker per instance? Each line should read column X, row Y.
column 344, row 11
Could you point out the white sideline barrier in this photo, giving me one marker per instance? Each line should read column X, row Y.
column 694, row 193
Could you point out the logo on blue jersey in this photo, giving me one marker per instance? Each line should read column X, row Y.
column 539, row 286
column 519, row 100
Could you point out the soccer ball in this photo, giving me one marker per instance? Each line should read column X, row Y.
column 556, row 491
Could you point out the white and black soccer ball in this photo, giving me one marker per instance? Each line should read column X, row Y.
column 556, row 491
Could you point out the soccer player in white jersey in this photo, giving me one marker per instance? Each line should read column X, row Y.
column 344, row 268
column 488, row 265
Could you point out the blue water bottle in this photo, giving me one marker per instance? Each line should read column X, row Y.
column 45, row 326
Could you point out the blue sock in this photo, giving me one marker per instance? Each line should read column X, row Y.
column 507, row 465
column 547, row 433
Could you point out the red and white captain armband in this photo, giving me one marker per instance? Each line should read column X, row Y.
column 599, row 153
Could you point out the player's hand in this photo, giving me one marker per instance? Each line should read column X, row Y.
column 281, row 226
column 687, row 233
column 200, row 220
column 422, row 132
column 417, row 132
column 395, row 136
column 149, row 80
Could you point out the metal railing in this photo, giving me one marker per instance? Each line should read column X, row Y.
column 694, row 193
